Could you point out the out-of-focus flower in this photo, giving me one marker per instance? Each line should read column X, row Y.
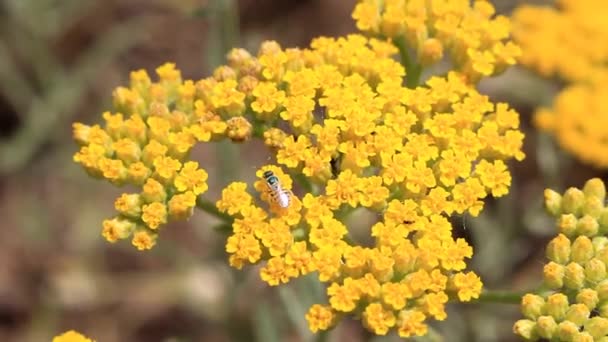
column 71, row 336
column 570, row 41
column 575, row 273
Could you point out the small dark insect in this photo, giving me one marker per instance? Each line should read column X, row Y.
column 335, row 166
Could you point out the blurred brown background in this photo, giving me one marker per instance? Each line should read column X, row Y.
column 60, row 60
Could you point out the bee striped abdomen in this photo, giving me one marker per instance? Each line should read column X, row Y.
column 278, row 195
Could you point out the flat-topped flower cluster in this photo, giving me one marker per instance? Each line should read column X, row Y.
column 347, row 134
column 570, row 42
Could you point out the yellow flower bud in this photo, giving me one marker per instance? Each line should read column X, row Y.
column 129, row 205
column 532, row 306
column 567, row 330
column 602, row 290
column 431, row 52
column 588, row 297
column 553, row 202
column 567, row 224
column 117, row 228
column 583, row 337
column 582, row 250
column 526, row 329
column 603, row 221
column 558, row 249
column 182, row 205
column 113, row 170
column 153, row 191
column 595, row 270
column 127, row 150
column 593, row 207
column 573, row 201
column 154, row 214
column 274, row 138
column 557, row 306
column 144, row 239
column 153, row 150
column 597, row 326
column 574, row 277
column 587, row 226
column 223, row 73
column 546, row 326
column 553, row 275
column 599, row 243
column 578, row 314
column 595, row 188
column 238, row 129
column 80, row 133
column 138, row 173
column 602, row 310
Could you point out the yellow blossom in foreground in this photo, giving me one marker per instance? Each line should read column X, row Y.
column 71, row 336
column 347, row 135
column 413, row 156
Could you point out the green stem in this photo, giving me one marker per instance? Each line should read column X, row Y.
column 322, row 336
column 413, row 70
column 212, row 210
column 504, row 297
column 303, row 181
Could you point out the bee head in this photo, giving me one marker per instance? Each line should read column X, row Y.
column 268, row 174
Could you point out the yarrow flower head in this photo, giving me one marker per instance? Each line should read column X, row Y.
column 576, row 308
column 358, row 139
column 474, row 38
column 146, row 143
column 569, row 41
column 347, row 135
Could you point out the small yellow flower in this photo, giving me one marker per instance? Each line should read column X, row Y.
column 129, row 205
column 267, row 98
column 320, row 317
column 71, row 336
column 117, row 228
column 180, row 206
column 154, row 214
column 191, row 178
column 378, row 319
column 144, row 239
column 467, row 285
column 166, row 168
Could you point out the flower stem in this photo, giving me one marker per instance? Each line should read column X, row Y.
column 322, row 336
column 413, row 70
column 504, row 297
column 211, row 209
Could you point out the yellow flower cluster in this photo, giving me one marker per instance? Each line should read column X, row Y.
column 474, row 38
column 577, row 307
column 571, row 42
column 71, row 336
column 340, row 120
column 578, row 120
column 146, row 143
column 361, row 139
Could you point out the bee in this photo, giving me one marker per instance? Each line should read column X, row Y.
column 277, row 193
